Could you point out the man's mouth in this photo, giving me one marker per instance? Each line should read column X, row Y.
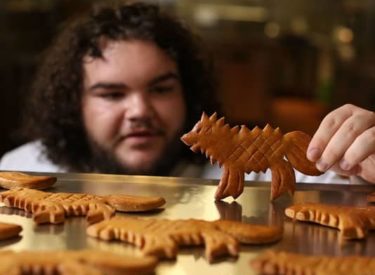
column 141, row 137
column 143, row 133
column 140, row 134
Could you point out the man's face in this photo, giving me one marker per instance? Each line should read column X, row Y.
column 133, row 105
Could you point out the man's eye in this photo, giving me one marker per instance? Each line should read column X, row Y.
column 112, row 95
column 162, row 89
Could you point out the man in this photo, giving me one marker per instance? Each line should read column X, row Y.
column 120, row 86
column 116, row 91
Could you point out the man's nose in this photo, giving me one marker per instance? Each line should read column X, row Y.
column 140, row 106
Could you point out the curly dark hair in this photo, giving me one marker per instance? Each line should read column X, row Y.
column 54, row 111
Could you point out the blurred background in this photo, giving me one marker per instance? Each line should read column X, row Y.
column 285, row 62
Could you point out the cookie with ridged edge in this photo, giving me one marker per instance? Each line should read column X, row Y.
column 48, row 207
column 9, row 230
column 10, row 180
column 240, row 150
column 280, row 262
column 162, row 237
column 353, row 222
column 80, row 262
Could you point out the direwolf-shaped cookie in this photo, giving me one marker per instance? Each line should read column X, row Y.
column 278, row 263
column 10, row 180
column 240, row 151
column 162, row 237
column 353, row 222
column 84, row 262
column 9, row 230
column 54, row 207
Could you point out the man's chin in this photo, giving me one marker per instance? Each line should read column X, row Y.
column 135, row 162
column 139, row 168
column 140, row 161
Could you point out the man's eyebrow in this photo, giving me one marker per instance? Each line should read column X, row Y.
column 107, row 86
column 164, row 77
column 119, row 85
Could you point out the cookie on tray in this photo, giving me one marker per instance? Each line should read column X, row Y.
column 10, row 180
column 9, row 230
column 88, row 262
column 162, row 237
column 279, row 262
column 49, row 207
column 353, row 222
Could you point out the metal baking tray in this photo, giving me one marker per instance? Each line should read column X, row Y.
column 194, row 198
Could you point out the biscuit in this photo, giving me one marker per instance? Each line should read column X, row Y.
column 353, row 222
column 54, row 207
column 9, row 230
column 162, row 237
column 371, row 197
column 279, row 262
column 10, row 180
column 84, row 262
column 239, row 150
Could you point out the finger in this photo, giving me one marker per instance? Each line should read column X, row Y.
column 361, row 149
column 367, row 169
column 328, row 127
column 349, row 132
column 346, row 173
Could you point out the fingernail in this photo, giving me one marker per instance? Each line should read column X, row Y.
column 344, row 165
column 322, row 166
column 313, row 154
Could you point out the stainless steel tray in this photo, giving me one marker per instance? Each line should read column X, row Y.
column 194, row 198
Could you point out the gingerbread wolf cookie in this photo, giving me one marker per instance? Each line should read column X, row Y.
column 278, row 262
column 9, row 230
column 84, row 262
column 240, row 151
column 353, row 222
column 371, row 197
column 161, row 237
column 10, row 180
column 54, row 207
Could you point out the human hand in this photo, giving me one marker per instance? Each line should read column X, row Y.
column 345, row 143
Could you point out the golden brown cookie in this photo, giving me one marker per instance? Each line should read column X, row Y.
column 353, row 222
column 371, row 197
column 54, row 207
column 277, row 263
column 10, row 180
column 240, row 151
column 9, row 230
column 162, row 237
column 84, row 262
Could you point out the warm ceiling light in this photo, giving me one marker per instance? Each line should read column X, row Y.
column 272, row 29
column 210, row 13
column 344, row 34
